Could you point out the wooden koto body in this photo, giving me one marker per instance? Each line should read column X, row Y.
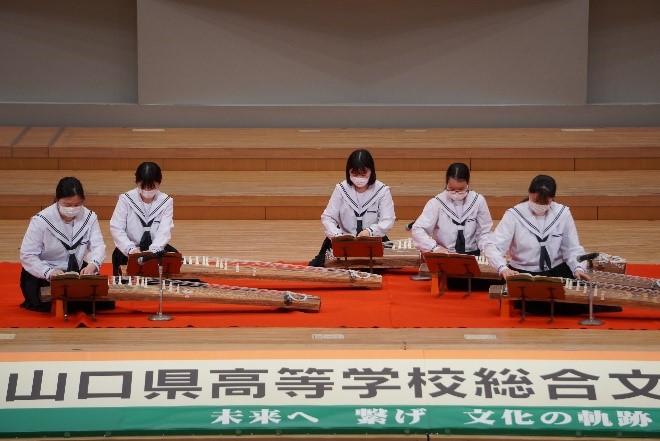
column 485, row 270
column 402, row 254
column 196, row 292
column 203, row 267
column 397, row 254
column 639, row 292
column 390, row 260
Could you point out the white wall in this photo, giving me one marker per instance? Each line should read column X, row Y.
column 330, row 63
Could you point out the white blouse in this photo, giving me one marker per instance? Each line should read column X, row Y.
column 521, row 234
column 126, row 222
column 42, row 250
column 437, row 225
column 374, row 206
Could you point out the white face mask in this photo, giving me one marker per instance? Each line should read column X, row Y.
column 69, row 211
column 148, row 194
column 360, row 182
column 457, row 196
column 538, row 209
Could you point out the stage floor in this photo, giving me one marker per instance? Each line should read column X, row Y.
column 400, row 303
column 396, row 363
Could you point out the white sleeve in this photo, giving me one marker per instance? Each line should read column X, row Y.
column 484, row 223
column 118, row 227
column 422, row 229
column 386, row 215
column 96, row 245
column 31, row 248
column 330, row 216
column 498, row 242
column 570, row 245
column 164, row 232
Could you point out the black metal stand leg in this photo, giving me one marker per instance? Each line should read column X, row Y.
column 371, row 261
column 469, row 290
column 552, row 311
column 442, row 283
column 94, row 302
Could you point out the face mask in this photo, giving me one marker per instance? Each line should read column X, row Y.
column 457, row 196
column 148, row 194
column 359, row 182
column 538, row 209
column 69, row 211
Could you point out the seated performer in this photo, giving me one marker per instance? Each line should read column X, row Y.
column 541, row 238
column 359, row 206
column 142, row 220
column 57, row 240
column 457, row 220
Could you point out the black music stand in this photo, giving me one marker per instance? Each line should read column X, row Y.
column 170, row 262
column 454, row 265
column 350, row 247
column 541, row 288
column 73, row 286
column 148, row 264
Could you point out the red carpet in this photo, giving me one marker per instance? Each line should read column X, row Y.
column 401, row 303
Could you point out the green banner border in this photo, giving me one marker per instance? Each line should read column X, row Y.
column 197, row 420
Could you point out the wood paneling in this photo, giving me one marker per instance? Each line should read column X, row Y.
column 326, row 149
column 296, row 240
column 617, row 163
column 28, row 164
column 37, row 137
column 107, row 163
column 522, row 164
column 9, row 135
column 210, row 164
column 304, row 194
column 18, row 213
column 632, row 213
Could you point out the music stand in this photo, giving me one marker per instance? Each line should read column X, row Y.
column 540, row 288
column 67, row 287
column 350, row 247
column 455, row 265
column 170, row 262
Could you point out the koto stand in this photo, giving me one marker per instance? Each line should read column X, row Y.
column 159, row 316
column 442, row 265
column 143, row 264
column 591, row 321
column 72, row 286
column 526, row 287
column 423, row 272
column 349, row 247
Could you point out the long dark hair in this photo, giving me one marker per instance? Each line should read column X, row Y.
column 458, row 171
column 358, row 161
column 68, row 187
column 148, row 174
column 545, row 187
